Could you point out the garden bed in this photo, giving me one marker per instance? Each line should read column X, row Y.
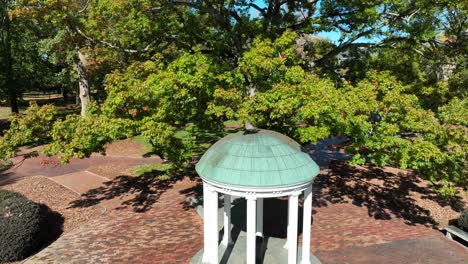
column 58, row 198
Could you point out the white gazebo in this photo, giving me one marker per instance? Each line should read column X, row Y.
column 256, row 164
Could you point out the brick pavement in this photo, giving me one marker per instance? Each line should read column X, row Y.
column 51, row 166
column 338, row 226
column 167, row 233
column 424, row 250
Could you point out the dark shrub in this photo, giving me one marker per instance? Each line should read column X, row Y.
column 463, row 220
column 7, row 194
column 22, row 225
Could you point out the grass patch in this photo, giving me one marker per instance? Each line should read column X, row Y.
column 182, row 133
column 233, row 124
column 40, row 96
column 144, row 142
column 158, row 170
column 5, row 112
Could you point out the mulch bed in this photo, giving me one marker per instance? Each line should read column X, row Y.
column 57, row 198
column 125, row 148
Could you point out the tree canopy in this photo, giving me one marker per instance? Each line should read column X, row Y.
column 393, row 80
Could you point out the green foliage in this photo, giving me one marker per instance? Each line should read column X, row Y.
column 463, row 220
column 166, row 144
column 160, row 99
column 448, row 190
column 158, row 66
column 267, row 61
column 21, row 222
column 455, row 112
column 386, row 123
column 407, row 135
column 458, row 83
column 31, row 128
column 176, row 93
column 77, row 137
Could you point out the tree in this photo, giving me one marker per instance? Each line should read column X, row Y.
column 82, row 29
column 385, row 122
column 23, row 66
column 150, row 98
column 6, row 55
column 159, row 67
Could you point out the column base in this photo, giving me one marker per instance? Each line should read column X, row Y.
column 269, row 251
column 226, row 243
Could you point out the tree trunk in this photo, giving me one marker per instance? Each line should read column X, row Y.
column 80, row 67
column 10, row 86
column 13, row 98
column 64, row 93
column 248, row 125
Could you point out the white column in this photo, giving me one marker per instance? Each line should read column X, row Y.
column 306, row 225
column 227, row 239
column 206, row 224
column 292, row 234
column 210, row 217
column 214, row 236
column 287, row 228
column 251, row 247
column 259, row 217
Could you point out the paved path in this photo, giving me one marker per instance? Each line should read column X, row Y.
column 50, row 166
column 425, row 250
column 81, row 181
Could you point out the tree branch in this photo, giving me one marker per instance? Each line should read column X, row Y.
column 350, row 41
column 84, row 7
column 186, row 3
column 345, row 44
column 259, row 9
column 407, row 19
column 114, row 46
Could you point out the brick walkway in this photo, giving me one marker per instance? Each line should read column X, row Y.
column 50, row 166
column 425, row 250
column 339, row 226
column 167, row 233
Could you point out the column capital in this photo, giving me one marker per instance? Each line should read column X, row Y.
column 209, row 187
column 251, row 197
column 296, row 193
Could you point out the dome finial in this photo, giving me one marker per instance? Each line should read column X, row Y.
column 249, row 127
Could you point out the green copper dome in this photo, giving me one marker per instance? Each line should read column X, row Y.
column 260, row 158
